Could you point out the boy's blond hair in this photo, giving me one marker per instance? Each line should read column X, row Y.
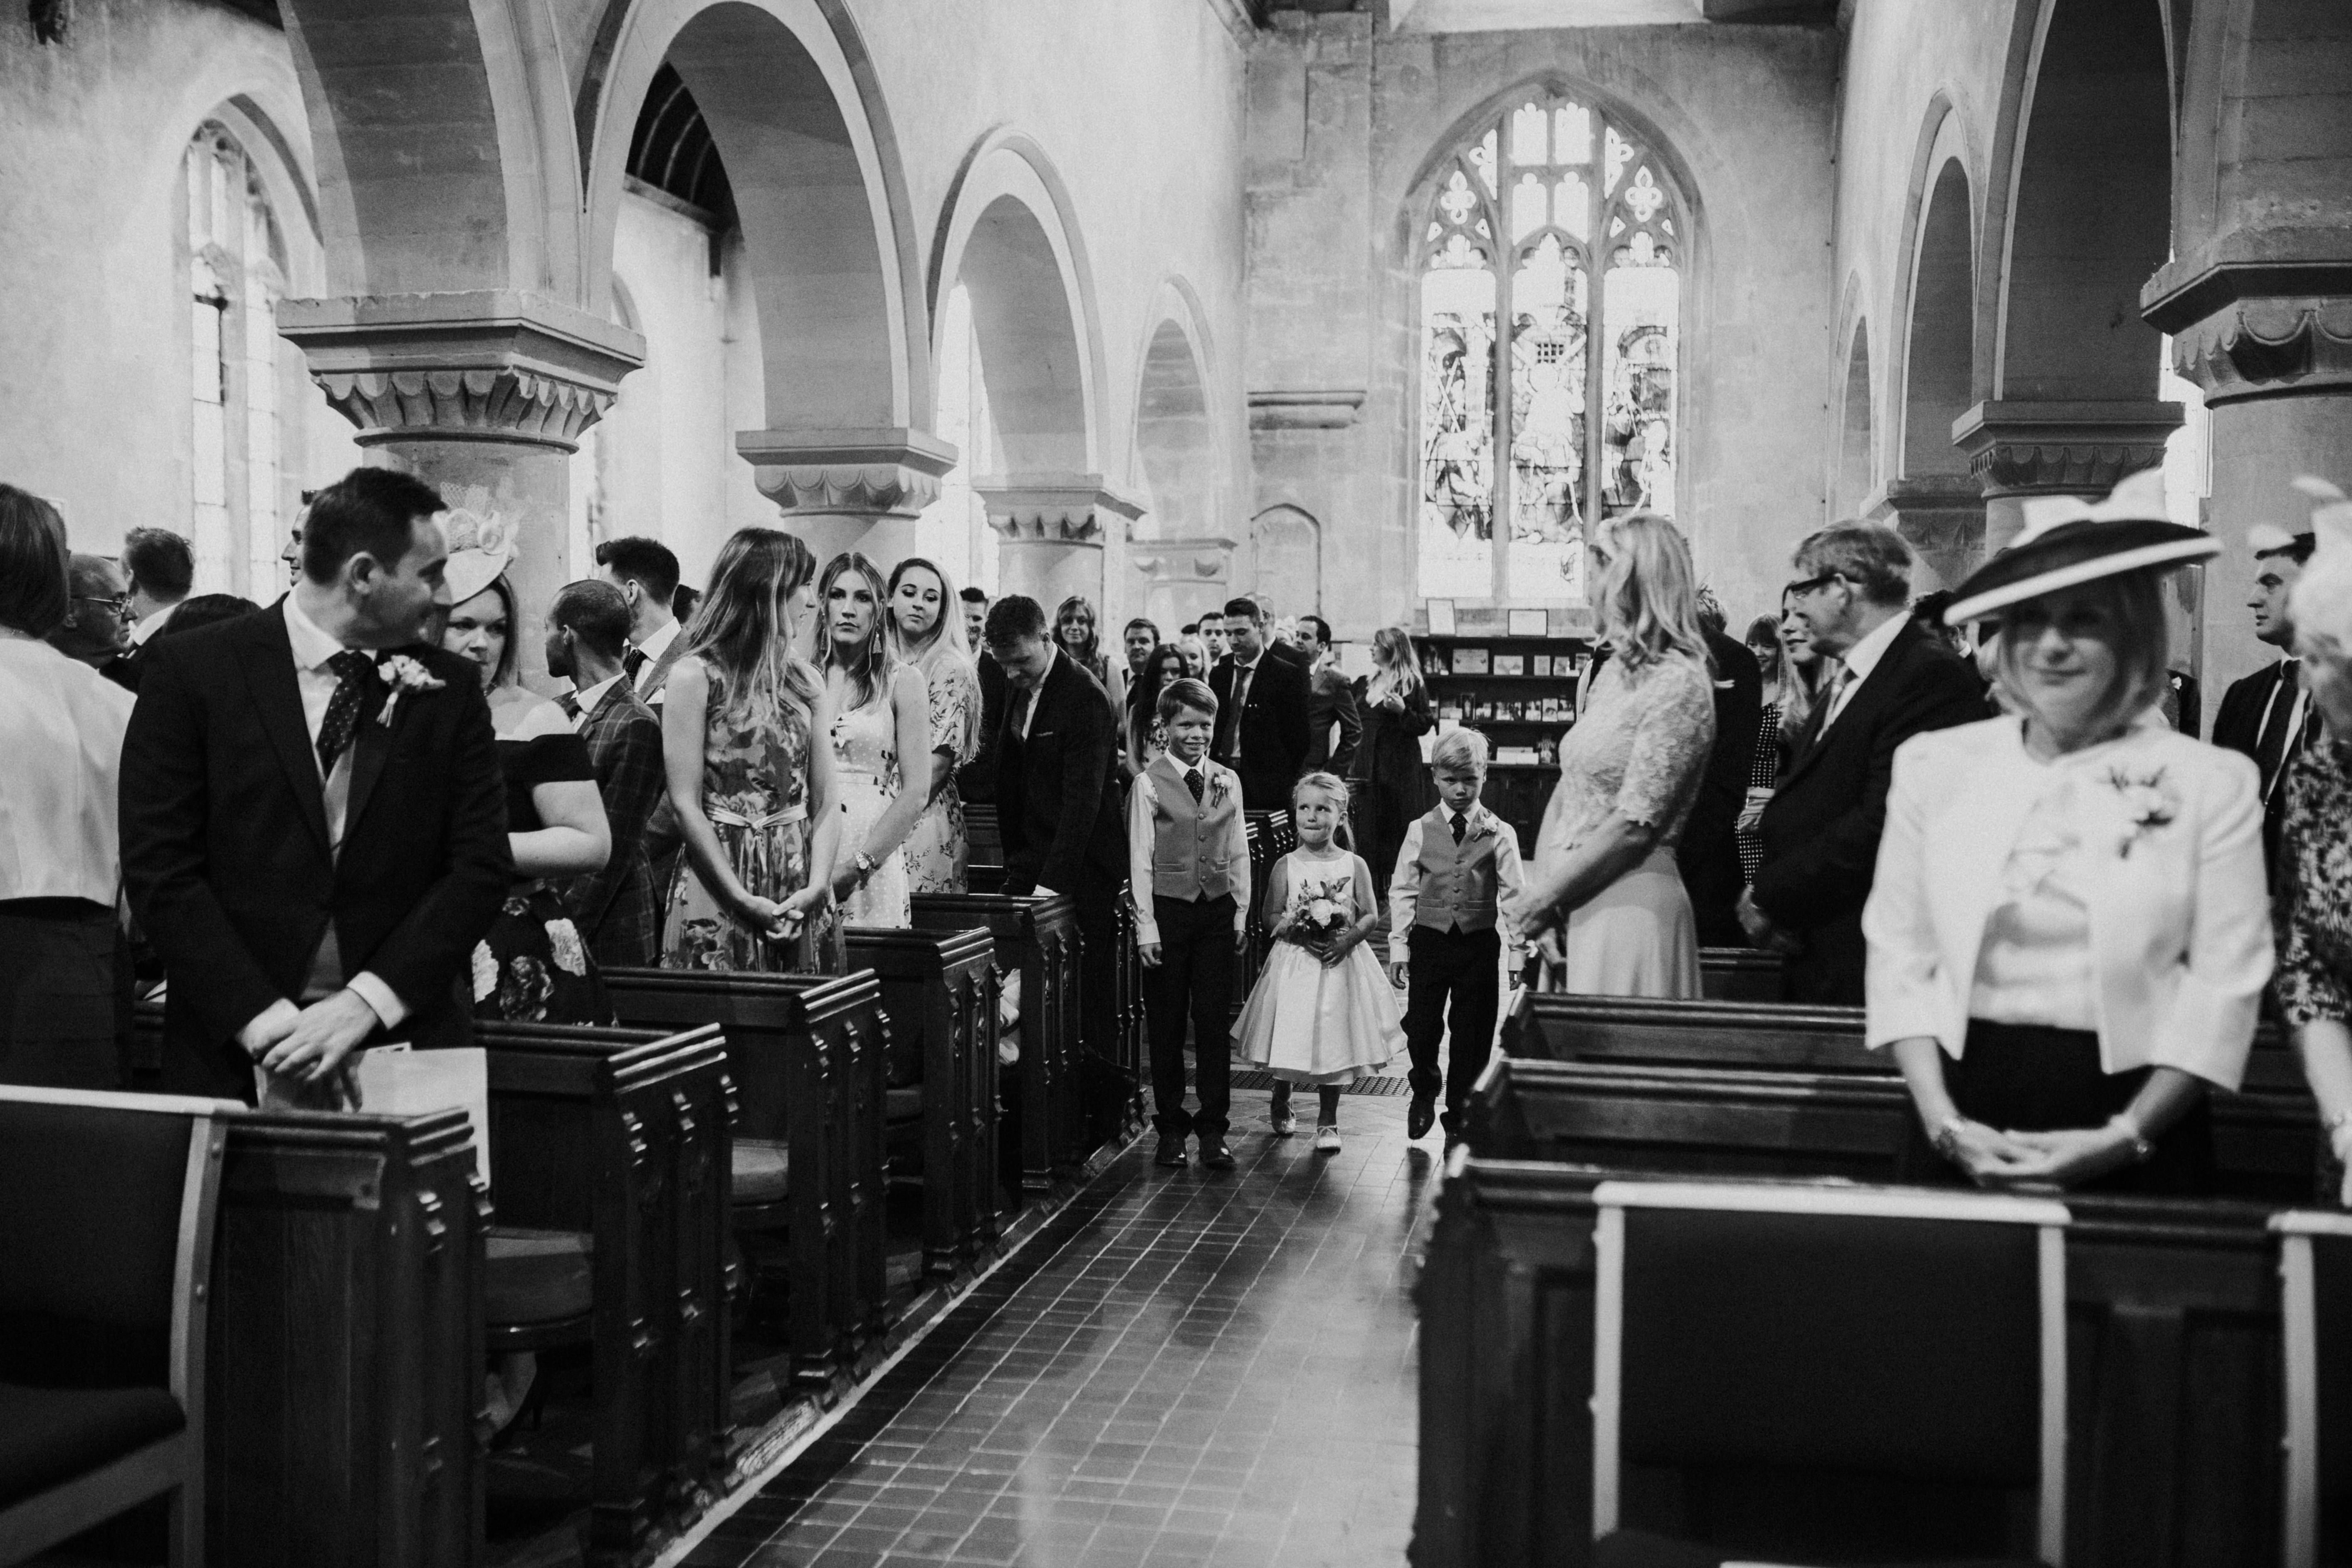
column 1459, row 752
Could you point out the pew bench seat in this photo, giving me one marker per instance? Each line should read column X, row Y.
column 761, row 1172
column 536, row 1280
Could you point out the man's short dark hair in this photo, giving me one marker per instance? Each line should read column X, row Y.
column 203, row 610
column 160, row 562
column 1207, row 616
column 1322, row 628
column 1870, row 555
column 1013, row 618
column 596, row 613
column 1245, row 610
column 2298, row 550
column 34, row 595
column 1189, row 629
column 369, row 510
column 973, row 594
column 647, row 563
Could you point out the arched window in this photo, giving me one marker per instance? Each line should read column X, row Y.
column 1551, row 313
column 235, row 273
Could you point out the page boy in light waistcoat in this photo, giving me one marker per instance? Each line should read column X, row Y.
column 1448, row 931
column 1189, row 876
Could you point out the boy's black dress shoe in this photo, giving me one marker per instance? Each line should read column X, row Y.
column 1421, row 1116
column 1171, row 1150
column 1216, row 1156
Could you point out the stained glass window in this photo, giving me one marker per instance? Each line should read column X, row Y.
column 235, row 277
column 1551, row 256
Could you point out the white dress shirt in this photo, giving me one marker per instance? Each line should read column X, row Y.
column 1404, row 886
column 589, row 700
column 148, row 625
column 1142, row 800
column 1860, row 661
column 653, row 648
column 315, row 678
column 61, row 728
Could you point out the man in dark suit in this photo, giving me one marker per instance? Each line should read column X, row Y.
column 2269, row 715
column 314, row 829
column 1821, row 830
column 161, row 567
column 1329, row 700
column 1262, row 735
column 976, row 779
column 1708, row 855
column 614, row 907
column 1058, row 797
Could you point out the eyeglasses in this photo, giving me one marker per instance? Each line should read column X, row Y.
column 1805, row 585
column 121, row 606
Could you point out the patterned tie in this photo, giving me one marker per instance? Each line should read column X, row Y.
column 1461, row 823
column 353, row 671
column 632, row 661
column 1193, row 781
column 570, row 702
column 1837, row 692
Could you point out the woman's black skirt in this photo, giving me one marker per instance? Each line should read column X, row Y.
column 2023, row 1078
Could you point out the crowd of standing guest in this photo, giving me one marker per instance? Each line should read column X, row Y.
column 345, row 820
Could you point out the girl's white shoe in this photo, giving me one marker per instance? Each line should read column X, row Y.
column 1327, row 1137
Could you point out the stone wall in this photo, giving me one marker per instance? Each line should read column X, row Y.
column 1344, row 121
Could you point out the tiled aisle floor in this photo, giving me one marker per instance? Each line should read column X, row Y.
column 1185, row 1369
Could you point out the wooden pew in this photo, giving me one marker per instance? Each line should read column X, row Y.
column 347, row 1344
column 1038, row 940
column 940, row 990
column 623, row 1136
column 2175, row 1412
column 345, row 1341
column 807, row 1055
column 1271, row 835
column 1739, row 1079
column 1738, row 974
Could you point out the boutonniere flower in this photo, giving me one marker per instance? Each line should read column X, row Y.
column 2146, row 802
column 403, row 675
column 1218, row 788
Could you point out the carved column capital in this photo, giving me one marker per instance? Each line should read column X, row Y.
column 493, row 366
column 1054, row 508
column 2018, row 449
column 879, row 474
column 2259, row 311
column 1172, row 562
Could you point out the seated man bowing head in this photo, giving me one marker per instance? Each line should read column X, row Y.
column 313, row 820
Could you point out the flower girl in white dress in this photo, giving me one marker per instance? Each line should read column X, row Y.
column 1322, row 1012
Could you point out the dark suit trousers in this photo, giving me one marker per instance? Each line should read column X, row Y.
column 1828, row 972
column 1460, row 967
column 1195, row 982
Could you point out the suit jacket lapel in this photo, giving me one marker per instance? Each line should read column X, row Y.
column 370, row 748
column 269, row 660
column 1869, row 693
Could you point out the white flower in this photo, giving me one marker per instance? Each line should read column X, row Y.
column 563, row 941
column 2143, row 804
column 1322, row 911
column 403, row 674
column 486, row 971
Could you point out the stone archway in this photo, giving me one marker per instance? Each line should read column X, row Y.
column 2070, row 404
column 1286, row 559
column 789, row 98
column 1182, row 558
column 1931, row 498
column 1008, row 239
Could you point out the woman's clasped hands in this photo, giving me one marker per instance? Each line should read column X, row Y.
column 2061, row 1158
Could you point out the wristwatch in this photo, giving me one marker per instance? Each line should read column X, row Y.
column 865, row 864
column 1946, row 1136
column 2123, row 1122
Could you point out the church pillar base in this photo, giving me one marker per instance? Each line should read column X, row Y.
column 1056, row 528
column 849, row 490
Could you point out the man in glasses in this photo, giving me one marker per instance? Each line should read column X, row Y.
column 97, row 627
column 1821, row 830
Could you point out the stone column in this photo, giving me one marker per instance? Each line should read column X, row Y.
column 1055, row 528
column 2018, row 449
column 482, row 396
column 1942, row 518
column 1181, row 578
column 2263, row 322
column 849, row 490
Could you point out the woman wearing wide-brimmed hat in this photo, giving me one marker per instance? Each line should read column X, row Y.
column 2068, row 931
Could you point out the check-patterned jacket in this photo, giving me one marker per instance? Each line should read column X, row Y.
column 617, row 908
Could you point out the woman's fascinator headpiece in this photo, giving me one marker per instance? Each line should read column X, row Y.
column 2068, row 540
column 2321, row 601
column 480, row 549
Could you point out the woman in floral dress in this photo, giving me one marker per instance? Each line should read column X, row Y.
column 756, row 803
column 530, row 966
column 881, row 712
column 928, row 636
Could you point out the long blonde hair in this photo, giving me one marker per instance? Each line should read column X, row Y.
column 869, row 670
column 1393, row 653
column 1648, row 595
column 740, row 631
column 947, row 632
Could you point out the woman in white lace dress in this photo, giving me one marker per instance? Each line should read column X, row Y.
column 927, row 633
column 1605, row 899
column 881, row 715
